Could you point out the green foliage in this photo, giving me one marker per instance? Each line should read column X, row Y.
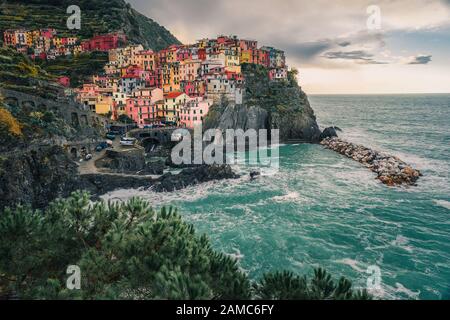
column 130, row 251
column 18, row 69
column 125, row 251
column 287, row 286
column 78, row 67
column 274, row 96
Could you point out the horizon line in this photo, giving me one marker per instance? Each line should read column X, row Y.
column 377, row 93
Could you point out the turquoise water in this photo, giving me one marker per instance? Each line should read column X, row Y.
column 322, row 209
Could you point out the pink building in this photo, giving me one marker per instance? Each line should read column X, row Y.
column 141, row 107
column 64, row 81
column 48, row 33
column 183, row 53
column 194, row 111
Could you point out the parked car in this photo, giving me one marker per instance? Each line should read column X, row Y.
column 124, row 141
column 101, row 146
column 110, row 136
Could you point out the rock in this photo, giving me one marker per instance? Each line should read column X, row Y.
column 254, row 174
column 36, row 176
column 328, row 133
column 130, row 162
column 267, row 105
column 390, row 170
column 192, row 176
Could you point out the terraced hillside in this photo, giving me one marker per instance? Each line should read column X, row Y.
column 97, row 17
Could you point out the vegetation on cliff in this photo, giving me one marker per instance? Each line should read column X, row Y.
column 19, row 73
column 78, row 68
column 268, row 105
column 130, row 251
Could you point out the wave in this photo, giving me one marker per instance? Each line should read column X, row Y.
column 443, row 203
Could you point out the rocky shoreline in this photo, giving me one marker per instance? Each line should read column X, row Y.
column 390, row 170
column 100, row 184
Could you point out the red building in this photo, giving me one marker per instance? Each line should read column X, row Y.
column 202, row 54
column 48, row 33
column 64, row 81
column 9, row 37
column 104, row 42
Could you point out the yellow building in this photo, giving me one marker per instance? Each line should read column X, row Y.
column 57, row 42
column 104, row 104
column 246, row 56
column 145, row 60
column 171, row 77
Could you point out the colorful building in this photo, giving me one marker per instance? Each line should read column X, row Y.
column 192, row 113
column 104, row 42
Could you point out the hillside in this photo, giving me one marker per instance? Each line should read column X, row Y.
column 19, row 73
column 98, row 17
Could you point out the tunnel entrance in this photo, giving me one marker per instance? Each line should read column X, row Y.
column 150, row 144
column 74, row 153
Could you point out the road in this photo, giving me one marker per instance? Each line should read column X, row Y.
column 89, row 167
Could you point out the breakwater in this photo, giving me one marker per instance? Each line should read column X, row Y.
column 390, row 170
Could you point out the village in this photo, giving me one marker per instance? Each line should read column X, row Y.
column 172, row 87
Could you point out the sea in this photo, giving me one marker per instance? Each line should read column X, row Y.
column 323, row 210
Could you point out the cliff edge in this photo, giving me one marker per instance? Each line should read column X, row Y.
column 268, row 105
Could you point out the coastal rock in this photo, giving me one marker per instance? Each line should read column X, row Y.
column 192, row 176
column 36, row 176
column 99, row 184
column 328, row 133
column 132, row 162
column 267, row 105
column 390, row 170
column 254, row 174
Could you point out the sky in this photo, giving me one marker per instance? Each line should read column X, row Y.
column 338, row 46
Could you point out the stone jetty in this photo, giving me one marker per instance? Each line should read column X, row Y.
column 390, row 170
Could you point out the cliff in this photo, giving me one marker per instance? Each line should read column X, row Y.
column 268, row 105
column 36, row 176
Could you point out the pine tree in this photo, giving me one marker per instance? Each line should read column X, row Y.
column 130, row 251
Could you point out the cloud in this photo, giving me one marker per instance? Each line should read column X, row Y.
column 420, row 59
column 344, row 43
column 359, row 56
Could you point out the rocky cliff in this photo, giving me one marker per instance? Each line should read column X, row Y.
column 268, row 105
column 36, row 176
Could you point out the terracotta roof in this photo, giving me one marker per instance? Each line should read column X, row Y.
column 173, row 95
column 130, row 76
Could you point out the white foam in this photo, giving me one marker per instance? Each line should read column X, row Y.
column 401, row 242
column 289, row 197
column 352, row 263
column 443, row 203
